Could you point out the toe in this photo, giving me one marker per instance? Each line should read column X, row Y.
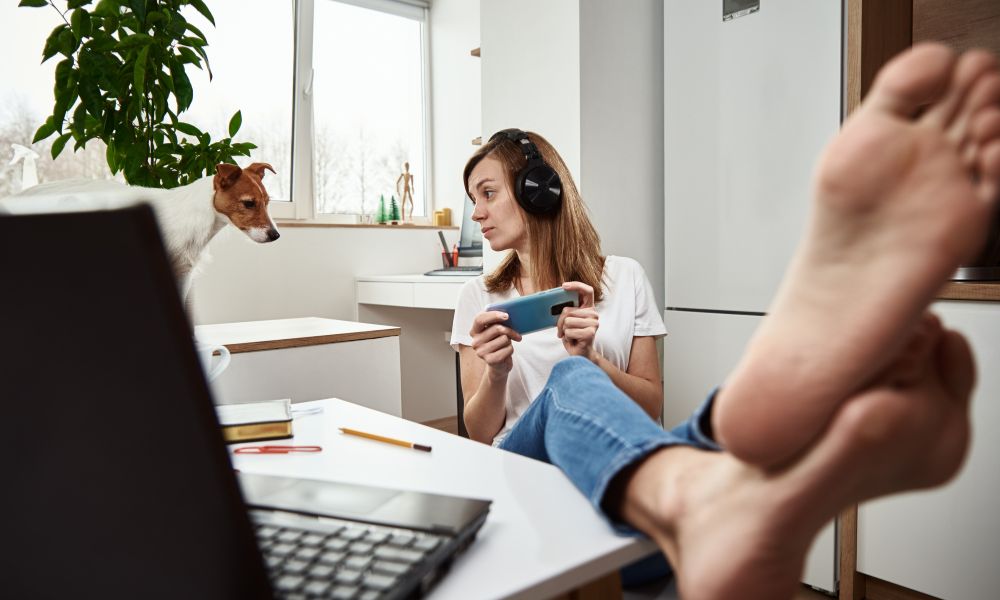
column 985, row 126
column 971, row 67
column 989, row 172
column 912, row 80
column 908, row 366
column 984, row 95
column 957, row 366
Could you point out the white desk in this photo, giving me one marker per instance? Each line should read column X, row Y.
column 541, row 538
column 423, row 307
column 413, row 291
column 307, row 359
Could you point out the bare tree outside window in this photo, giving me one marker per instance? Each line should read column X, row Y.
column 353, row 168
column 368, row 107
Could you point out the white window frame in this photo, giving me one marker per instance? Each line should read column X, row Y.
column 303, row 197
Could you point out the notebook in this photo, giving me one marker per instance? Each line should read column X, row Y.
column 118, row 483
column 252, row 421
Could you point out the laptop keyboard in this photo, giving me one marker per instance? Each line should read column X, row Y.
column 343, row 559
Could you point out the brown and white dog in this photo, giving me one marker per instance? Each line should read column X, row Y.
column 189, row 216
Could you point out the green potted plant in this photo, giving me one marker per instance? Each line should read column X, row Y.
column 121, row 78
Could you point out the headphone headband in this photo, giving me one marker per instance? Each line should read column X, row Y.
column 521, row 139
column 537, row 187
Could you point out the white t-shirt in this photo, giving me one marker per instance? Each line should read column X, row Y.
column 627, row 310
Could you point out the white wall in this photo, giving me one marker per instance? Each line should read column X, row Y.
column 311, row 271
column 308, row 272
column 531, row 75
column 589, row 77
column 621, row 128
column 531, row 71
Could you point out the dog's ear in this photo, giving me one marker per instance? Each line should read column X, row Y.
column 258, row 169
column 226, row 175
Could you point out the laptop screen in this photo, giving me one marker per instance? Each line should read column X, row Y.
column 116, row 477
column 470, row 241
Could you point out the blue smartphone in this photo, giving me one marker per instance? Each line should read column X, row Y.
column 536, row 311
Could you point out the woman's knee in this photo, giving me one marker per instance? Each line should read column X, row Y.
column 572, row 366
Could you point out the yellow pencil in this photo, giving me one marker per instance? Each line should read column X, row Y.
column 387, row 440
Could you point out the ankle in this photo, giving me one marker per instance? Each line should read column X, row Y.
column 650, row 496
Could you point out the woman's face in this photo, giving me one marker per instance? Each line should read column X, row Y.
column 497, row 212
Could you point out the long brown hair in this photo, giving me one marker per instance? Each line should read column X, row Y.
column 564, row 246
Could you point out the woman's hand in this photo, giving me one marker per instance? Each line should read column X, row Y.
column 577, row 327
column 492, row 342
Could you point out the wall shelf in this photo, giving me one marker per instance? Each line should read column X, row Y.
column 985, row 291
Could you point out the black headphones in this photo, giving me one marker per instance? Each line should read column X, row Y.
column 537, row 187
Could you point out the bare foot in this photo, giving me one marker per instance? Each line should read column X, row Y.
column 903, row 196
column 734, row 530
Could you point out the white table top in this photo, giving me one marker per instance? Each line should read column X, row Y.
column 417, row 278
column 257, row 335
column 541, row 538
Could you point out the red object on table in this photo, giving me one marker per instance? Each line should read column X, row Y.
column 276, row 449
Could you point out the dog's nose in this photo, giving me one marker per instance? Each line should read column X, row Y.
column 272, row 234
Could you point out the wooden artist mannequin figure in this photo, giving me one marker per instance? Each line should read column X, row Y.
column 406, row 192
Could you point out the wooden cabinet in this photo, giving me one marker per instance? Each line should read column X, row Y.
column 945, row 542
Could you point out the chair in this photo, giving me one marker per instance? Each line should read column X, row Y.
column 460, row 408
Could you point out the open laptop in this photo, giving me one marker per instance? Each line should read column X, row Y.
column 116, row 480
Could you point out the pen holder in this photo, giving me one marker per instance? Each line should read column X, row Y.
column 445, row 262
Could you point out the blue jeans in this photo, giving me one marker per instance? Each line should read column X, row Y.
column 586, row 426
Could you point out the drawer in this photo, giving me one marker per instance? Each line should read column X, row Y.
column 382, row 292
column 437, row 295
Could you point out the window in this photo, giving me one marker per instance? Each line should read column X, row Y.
column 367, row 106
column 333, row 93
column 251, row 52
column 26, row 100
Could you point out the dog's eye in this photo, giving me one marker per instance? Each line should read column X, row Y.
column 249, row 203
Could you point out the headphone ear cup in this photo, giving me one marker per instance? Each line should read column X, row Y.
column 539, row 189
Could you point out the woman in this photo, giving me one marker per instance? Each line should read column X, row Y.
column 552, row 243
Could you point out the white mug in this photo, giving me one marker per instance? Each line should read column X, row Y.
column 206, row 352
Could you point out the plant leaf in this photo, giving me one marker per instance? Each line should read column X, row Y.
column 33, row 3
column 47, row 129
column 59, row 144
column 52, row 43
column 235, row 123
column 111, row 156
column 200, row 7
column 135, row 40
column 81, row 23
column 197, row 32
column 139, row 9
column 182, row 86
column 139, row 71
column 107, row 8
column 68, row 42
column 188, row 129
